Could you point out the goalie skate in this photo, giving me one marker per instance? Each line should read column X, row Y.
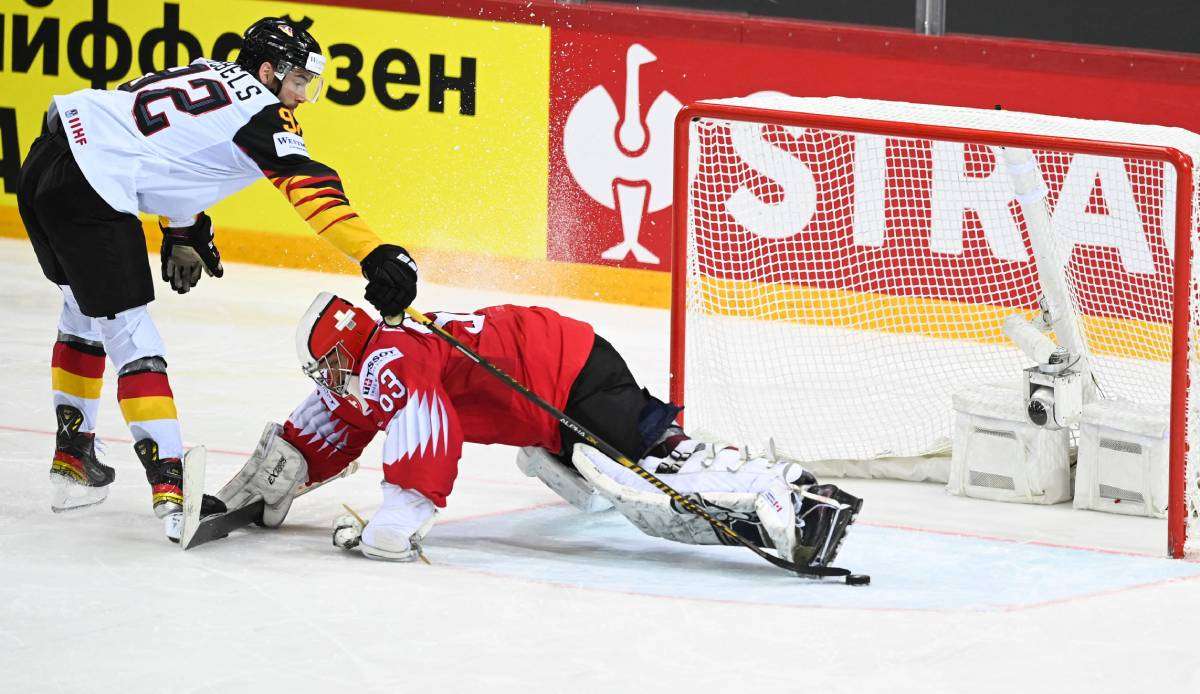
column 826, row 513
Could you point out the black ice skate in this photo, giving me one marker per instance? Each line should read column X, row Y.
column 77, row 476
column 165, row 476
column 827, row 513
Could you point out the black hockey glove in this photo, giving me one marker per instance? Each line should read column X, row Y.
column 185, row 250
column 391, row 279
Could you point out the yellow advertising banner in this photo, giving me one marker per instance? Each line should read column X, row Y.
column 438, row 126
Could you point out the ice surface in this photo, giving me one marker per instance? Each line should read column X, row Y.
column 525, row 594
column 913, row 570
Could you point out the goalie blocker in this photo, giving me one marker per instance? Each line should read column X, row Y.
column 412, row 385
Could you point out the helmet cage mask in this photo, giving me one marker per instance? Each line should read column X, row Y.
column 333, row 370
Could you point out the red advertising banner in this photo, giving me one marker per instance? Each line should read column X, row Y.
column 613, row 97
column 613, row 101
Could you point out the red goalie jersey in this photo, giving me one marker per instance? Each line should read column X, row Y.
column 429, row 398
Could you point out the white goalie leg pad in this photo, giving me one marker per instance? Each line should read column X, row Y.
column 651, row 511
column 274, row 473
column 697, row 478
column 570, row 485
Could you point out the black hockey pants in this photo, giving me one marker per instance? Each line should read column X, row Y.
column 608, row 402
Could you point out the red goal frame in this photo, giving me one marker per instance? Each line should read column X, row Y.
column 1176, row 503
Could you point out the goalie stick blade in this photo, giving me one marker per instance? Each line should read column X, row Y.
column 194, row 464
column 220, row 525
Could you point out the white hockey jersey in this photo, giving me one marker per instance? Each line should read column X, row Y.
column 173, row 143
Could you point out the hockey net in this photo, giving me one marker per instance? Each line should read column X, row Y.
column 843, row 266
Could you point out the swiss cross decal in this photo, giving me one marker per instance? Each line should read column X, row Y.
column 345, row 320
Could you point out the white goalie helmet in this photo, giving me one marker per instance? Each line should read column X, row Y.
column 330, row 341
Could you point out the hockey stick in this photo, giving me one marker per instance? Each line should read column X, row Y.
column 608, row 450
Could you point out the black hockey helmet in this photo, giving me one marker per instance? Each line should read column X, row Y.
column 284, row 43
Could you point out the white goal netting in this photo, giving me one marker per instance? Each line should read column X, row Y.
column 848, row 265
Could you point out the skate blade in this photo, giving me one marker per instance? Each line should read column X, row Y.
column 68, row 495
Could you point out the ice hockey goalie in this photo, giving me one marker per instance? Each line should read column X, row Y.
column 428, row 399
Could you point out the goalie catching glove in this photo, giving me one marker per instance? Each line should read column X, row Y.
column 274, row 473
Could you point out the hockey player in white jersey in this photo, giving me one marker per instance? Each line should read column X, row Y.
column 170, row 143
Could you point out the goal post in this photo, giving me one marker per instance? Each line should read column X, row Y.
column 841, row 266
